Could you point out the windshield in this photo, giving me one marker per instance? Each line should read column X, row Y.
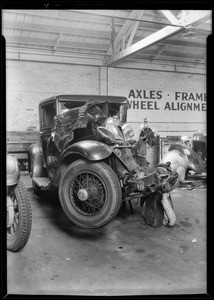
column 115, row 109
column 65, row 105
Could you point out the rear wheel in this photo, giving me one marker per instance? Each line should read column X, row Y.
column 90, row 194
column 19, row 217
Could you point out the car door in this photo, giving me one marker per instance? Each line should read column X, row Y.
column 47, row 113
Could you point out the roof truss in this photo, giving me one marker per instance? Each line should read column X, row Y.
column 195, row 17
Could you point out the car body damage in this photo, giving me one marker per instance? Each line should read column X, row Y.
column 89, row 154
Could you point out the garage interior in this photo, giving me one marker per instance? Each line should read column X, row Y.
column 157, row 60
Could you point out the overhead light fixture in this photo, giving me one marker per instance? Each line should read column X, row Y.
column 190, row 34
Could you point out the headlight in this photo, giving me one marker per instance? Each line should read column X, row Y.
column 111, row 131
column 113, row 125
column 128, row 133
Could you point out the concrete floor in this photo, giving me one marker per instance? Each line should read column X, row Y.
column 126, row 257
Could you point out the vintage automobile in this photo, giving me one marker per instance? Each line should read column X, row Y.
column 87, row 151
column 19, row 216
column 199, row 144
column 191, row 153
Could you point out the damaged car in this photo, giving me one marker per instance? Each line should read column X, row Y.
column 87, row 151
column 199, row 144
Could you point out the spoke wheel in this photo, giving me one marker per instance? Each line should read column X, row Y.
column 90, row 194
column 19, row 217
column 87, row 194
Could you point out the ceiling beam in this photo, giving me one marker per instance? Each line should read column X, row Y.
column 169, row 15
column 69, row 15
column 53, row 43
column 123, row 30
column 28, row 26
column 144, row 43
column 32, row 26
column 156, row 37
column 75, row 31
column 170, row 55
column 130, row 32
column 194, row 17
column 164, row 60
column 55, row 29
column 134, row 30
column 95, row 13
column 59, row 52
column 176, row 43
column 160, row 51
column 78, row 45
column 59, row 15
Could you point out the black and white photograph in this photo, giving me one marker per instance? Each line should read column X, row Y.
column 106, row 151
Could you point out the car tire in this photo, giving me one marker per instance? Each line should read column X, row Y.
column 90, row 194
column 18, row 233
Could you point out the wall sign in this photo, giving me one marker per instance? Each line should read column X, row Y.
column 160, row 100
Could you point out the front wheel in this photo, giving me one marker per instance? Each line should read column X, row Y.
column 19, row 217
column 90, row 194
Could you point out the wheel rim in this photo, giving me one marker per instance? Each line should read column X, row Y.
column 87, row 194
column 13, row 209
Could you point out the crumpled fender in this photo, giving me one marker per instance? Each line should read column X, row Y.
column 89, row 149
column 13, row 172
column 36, row 163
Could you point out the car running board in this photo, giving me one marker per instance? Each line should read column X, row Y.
column 43, row 182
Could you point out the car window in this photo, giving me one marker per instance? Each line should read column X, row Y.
column 114, row 109
column 64, row 105
column 48, row 113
